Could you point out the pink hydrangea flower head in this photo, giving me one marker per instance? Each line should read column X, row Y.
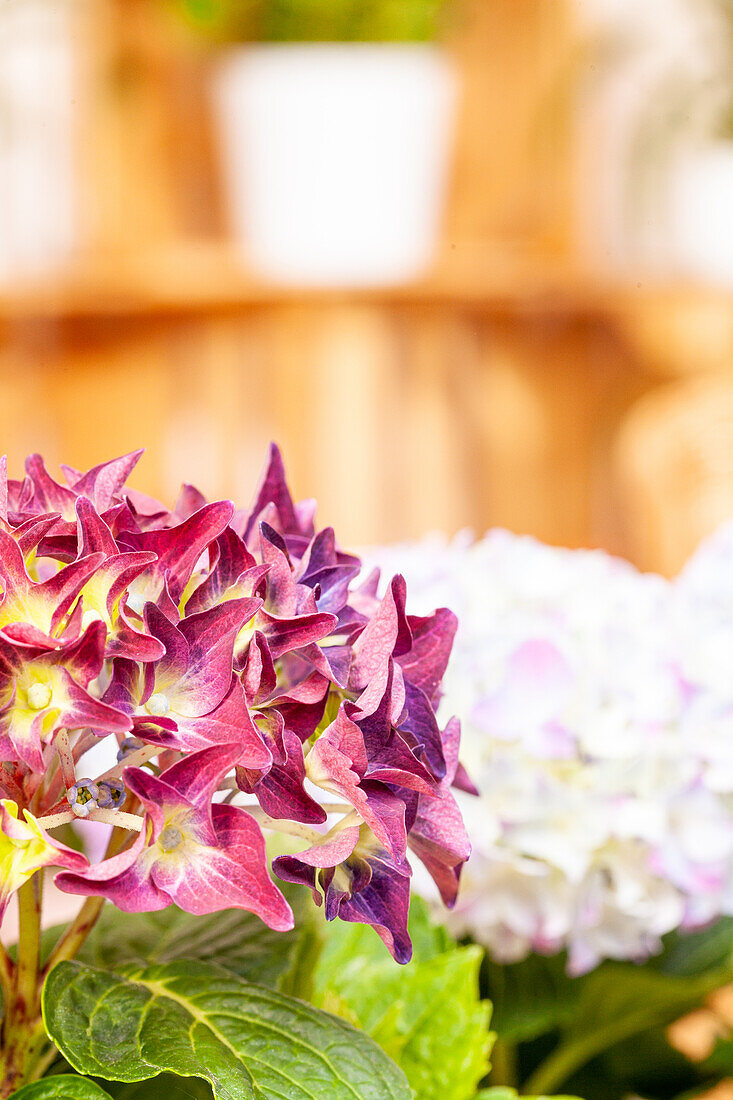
column 239, row 676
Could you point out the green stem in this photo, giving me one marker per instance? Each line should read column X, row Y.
column 7, row 973
column 563, row 1061
column 504, row 1064
column 25, row 1046
column 29, row 939
column 76, row 933
column 23, row 1033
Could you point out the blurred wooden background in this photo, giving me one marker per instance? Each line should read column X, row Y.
column 514, row 386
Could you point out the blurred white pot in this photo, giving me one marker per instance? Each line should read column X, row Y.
column 336, row 158
column 702, row 214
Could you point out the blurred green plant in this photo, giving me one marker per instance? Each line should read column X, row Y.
column 604, row 1035
column 315, row 20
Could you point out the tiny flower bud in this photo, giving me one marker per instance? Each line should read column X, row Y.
column 39, row 696
column 83, row 797
column 111, row 794
column 130, row 744
column 158, row 704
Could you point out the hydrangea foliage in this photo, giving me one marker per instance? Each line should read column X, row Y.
column 598, row 725
column 245, row 677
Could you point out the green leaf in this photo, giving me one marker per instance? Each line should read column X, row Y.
column 196, row 1020
column 607, row 1027
column 690, row 954
column 503, row 1092
column 720, row 1061
column 623, row 999
column 427, row 1015
column 617, row 1001
column 65, row 1087
column 530, row 997
column 236, row 940
column 167, row 1085
column 646, row 1065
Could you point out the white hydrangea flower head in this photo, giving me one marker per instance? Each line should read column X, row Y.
column 597, row 711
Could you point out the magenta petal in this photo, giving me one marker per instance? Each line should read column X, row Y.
column 273, row 489
column 84, row 710
column 438, row 835
column 229, row 723
column 259, row 676
column 4, row 488
column 285, row 598
column 178, row 548
column 119, row 572
column 12, row 565
column 281, row 792
column 425, row 662
column 128, row 643
column 103, row 484
column 387, row 634
column 391, row 759
column 196, row 672
column 328, row 572
column 336, row 848
column 209, row 640
column 63, row 588
column 303, row 705
column 190, row 500
column 439, row 839
column 232, row 875
column 20, row 497
column 210, row 636
column 332, row 661
column 174, row 662
column 233, row 560
column 123, row 879
column 301, row 868
column 420, row 727
column 33, row 532
column 94, row 534
column 284, row 635
column 125, row 688
column 48, row 495
column 336, row 762
column 194, row 779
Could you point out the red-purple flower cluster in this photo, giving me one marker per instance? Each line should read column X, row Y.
column 249, row 678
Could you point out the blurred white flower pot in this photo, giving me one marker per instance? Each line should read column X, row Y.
column 702, row 214
column 336, row 158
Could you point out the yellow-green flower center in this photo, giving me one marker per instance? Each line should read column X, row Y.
column 170, row 838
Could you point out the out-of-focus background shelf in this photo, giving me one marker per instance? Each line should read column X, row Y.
column 205, row 277
column 525, row 382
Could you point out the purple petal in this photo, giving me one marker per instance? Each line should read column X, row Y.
column 273, row 489
column 281, row 793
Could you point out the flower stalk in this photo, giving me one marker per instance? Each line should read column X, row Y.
column 23, row 1032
